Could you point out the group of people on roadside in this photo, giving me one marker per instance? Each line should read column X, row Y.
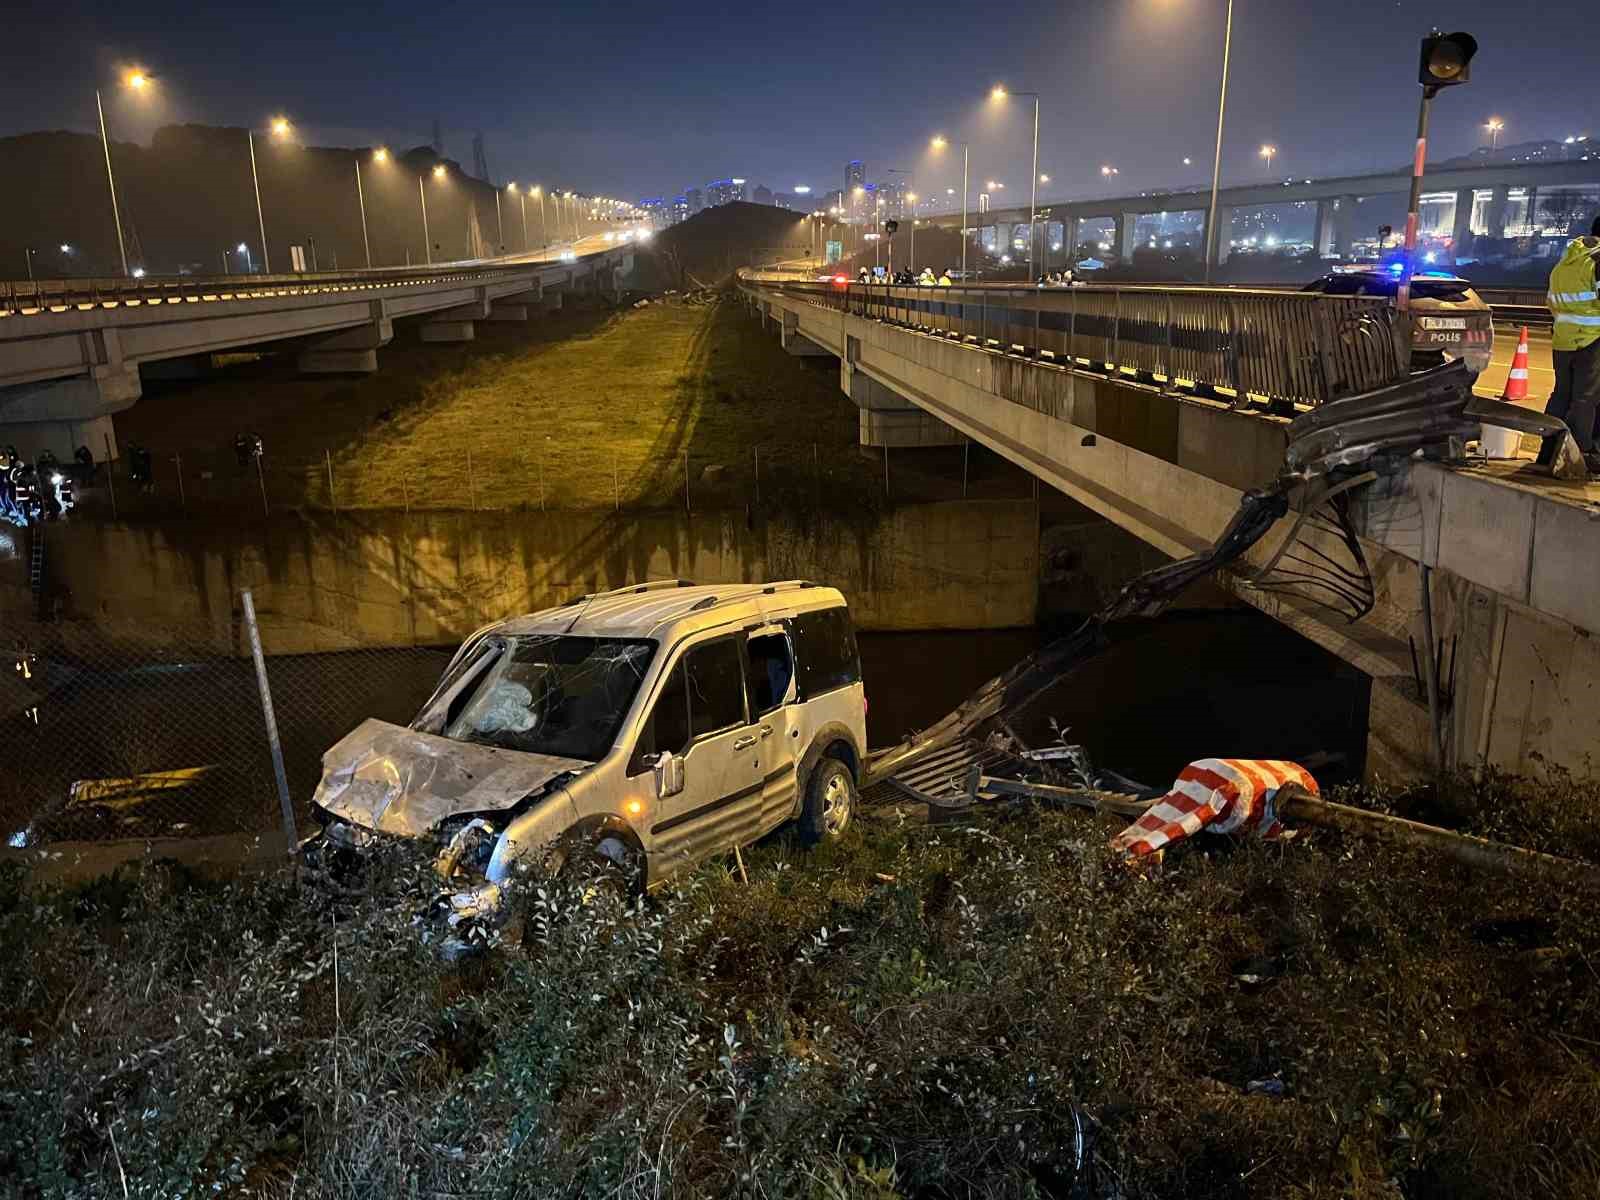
column 907, row 277
column 1062, row 278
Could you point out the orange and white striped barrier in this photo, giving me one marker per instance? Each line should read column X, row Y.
column 1517, row 378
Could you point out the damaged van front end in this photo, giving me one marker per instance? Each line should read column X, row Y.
column 485, row 808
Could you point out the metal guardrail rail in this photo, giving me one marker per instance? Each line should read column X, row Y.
column 23, row 298
column 1297, row 347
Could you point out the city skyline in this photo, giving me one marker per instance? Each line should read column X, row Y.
column 1135, row 82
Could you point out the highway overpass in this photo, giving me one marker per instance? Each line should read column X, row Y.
column 71, row 351
column 1160, row 417
column 1495, row 193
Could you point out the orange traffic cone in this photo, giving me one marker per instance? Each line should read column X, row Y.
column 1517, row 378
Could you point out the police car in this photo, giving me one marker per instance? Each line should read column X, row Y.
column 1452, row 320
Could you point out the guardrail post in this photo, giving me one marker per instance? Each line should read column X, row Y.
column 1171, row 382
column 1115, row 360
column 1233, row 355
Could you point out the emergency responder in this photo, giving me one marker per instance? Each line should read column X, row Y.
column 1575, row 342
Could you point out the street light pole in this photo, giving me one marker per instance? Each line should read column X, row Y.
column 111, row 180
column 427, row 242
column 499, row 225
column 1216, row 158
column 261, row 223
column 1033, row 190
column 362, row 201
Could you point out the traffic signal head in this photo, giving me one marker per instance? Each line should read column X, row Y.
column 1446, row 59
column 890, row 226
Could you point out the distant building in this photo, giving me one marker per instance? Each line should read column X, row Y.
column 786, row 200
column 762, row 194
column 724, row 191
column 697, row 200
column 855, row 182
column 680, row 209
column 894, row 199
column 656, row 212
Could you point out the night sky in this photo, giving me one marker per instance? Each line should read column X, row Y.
column 637, row 100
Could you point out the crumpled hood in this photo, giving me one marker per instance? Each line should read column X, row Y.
column 396, row 780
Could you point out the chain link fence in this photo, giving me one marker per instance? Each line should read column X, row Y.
column 507, row 476
column 114, row 731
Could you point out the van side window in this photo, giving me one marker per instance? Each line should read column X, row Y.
column 825, row 651
column 667, row 727
column 771, row 669
column 715, row 673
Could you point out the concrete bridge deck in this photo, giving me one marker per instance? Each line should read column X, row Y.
column 1515, row 558
column 72, row 359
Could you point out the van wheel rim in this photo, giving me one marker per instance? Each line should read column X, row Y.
column 836, row 805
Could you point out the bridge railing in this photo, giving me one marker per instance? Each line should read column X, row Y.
column 18, row 297
column 1299, row 347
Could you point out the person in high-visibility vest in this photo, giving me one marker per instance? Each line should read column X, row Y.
column 1574, row 301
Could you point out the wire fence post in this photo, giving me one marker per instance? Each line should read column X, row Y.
column 177, row 466
column 261, row 478
column 111, row 477
column 333, row 501
column 291, row 838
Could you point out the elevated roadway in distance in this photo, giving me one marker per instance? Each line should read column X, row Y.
column 1337, row 221
column 1128, row 418
column 71, row 351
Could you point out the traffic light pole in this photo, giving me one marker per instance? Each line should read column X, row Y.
column 1408, row 262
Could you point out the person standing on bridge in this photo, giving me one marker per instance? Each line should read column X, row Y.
column 1574, row 301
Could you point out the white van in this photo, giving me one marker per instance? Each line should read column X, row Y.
column 646, row 727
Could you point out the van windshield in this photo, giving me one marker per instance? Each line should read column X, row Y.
column 545, row 694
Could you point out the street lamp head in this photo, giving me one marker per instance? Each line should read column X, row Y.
column 66, row 249
column 280, row 126
column 1494, row 124
column 939, row 142
column 380, row 155
column 1187, row 161
column 1268, row 151
column 243, row 249
column 536, row 190
column 998, row 92
column 512, row 187
column 439, row 171
column 1044, row 179
column 137, row 80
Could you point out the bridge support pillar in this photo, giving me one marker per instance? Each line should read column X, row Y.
column 888, row 419
column 1327, row 217
column 549, row 301
column 59, row 415
column 796, row 343
column 1127, row 226
column 1069, row 239
column 456, row 324
column 351, row 351
column 1224, row 228
column 1344, row 225
column 1461, row 228
column 1495, row 219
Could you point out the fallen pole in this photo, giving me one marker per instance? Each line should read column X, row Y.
column 1301, row 805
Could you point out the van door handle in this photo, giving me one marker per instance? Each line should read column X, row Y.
column 744, row 743
column 766, row 731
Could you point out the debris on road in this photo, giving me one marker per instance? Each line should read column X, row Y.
column 1223, row 795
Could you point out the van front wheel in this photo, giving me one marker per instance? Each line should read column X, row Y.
column 830, row 802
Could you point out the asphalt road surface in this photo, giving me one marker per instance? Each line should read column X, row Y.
column 1540, row 377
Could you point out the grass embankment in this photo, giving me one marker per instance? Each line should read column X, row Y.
column 921, row 1011
column 584, row 408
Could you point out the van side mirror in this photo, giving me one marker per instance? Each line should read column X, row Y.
column 669, row 774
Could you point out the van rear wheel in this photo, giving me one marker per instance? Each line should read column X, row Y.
column 830, row 802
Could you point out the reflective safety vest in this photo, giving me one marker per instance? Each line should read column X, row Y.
column 1573, row 299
